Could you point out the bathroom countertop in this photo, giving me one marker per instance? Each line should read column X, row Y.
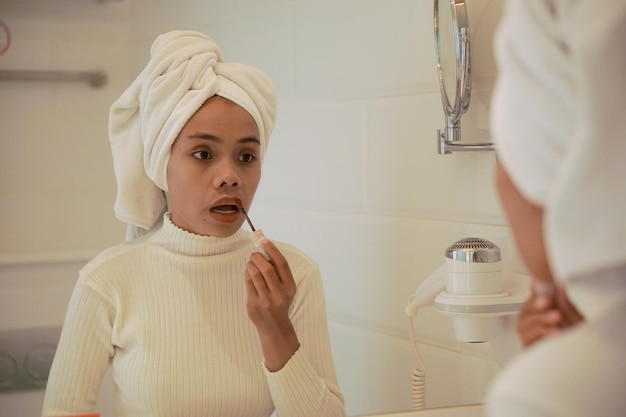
column 475, row 410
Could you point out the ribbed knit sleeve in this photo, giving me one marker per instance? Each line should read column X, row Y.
column 307, row 384
column 83, row 354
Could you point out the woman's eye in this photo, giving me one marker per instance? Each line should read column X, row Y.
column 202, row 155
column 247, row 157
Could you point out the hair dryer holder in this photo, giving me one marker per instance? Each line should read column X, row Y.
column 471, row 289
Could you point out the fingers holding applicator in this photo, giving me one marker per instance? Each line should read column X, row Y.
column 256, row 234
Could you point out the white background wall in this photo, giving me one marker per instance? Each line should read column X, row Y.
column 352, row 175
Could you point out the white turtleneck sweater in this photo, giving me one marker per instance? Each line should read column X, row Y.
column 167, row 313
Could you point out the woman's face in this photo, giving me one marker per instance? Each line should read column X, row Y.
column 526, row 220
column 215, row 162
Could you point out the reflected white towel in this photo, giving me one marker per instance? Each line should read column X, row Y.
column 185, row 69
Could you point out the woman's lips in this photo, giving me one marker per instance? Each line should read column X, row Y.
column 226, row 213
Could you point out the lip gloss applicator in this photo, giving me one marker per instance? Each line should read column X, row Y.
column 243, row 210
column 256, row 234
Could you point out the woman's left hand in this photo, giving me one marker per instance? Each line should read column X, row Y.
column 270, row 292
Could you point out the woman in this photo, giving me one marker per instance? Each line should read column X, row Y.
column 557, row 113
column 192, row 320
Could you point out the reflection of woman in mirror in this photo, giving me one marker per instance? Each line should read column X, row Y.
column 191, row 319
column 557, row 118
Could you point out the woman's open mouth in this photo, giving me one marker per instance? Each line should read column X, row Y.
column 225, row 209
column 226, row 213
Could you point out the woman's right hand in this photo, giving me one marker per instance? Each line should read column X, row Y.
column 547, row 312
column 271, row 289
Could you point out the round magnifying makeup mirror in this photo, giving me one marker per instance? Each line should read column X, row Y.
column 452, row 46
column 453, row 57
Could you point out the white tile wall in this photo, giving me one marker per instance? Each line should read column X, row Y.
column 382, row 366
column 352, row 175
column 363, row 48
column 316, row 158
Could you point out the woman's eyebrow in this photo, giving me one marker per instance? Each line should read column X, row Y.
column 207, row 136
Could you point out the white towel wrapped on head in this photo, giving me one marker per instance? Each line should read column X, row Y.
column 185, row 69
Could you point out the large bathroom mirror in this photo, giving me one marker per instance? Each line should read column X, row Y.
column 452, row 46
column 350, row 176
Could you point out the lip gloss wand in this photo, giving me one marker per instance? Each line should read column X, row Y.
column 256, row 235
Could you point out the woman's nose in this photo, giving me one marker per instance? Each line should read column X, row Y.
column 226, row 175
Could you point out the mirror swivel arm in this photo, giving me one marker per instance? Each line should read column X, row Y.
column 446, row 146
column 448, row 141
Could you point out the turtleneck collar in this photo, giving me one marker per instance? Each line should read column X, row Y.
column 183, row 242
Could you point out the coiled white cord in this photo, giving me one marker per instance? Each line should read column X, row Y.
column 418, row 379
column 418, row 390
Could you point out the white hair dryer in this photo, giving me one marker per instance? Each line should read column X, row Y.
column 469, row 287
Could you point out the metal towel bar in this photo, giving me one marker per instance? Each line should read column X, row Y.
column 95, row 78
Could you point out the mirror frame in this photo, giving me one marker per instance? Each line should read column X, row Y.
column 460, row 27
column 449, row 137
